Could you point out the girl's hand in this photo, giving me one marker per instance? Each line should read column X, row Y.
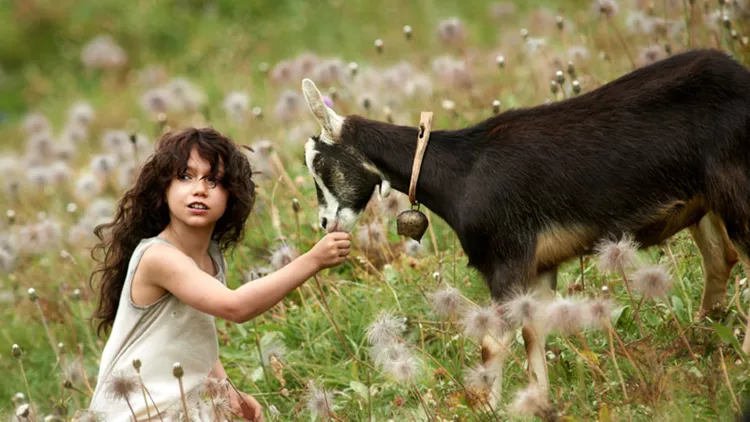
column 331, row 250
column 245, row 406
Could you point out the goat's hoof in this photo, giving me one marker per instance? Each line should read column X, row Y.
column 717, row 312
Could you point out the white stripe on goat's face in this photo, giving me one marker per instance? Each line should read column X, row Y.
column 343, row 183
column 344, row 177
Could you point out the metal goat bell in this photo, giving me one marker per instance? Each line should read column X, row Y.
column 412, row 223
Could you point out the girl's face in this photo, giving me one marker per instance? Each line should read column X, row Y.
column 195, row 198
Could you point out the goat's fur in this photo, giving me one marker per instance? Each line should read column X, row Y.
column 663, row 148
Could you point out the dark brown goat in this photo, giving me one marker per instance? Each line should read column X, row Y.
column 663, row 148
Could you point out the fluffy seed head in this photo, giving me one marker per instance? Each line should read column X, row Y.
column 616, row 257
column 523, row 310
column 318, row 401
column 653, row 281
column 531, row 401
column 382, row 353
column 567, row 316
column 32, row 294
column 481, row 378
column 283, row 256
column 447, row 301
column 484, row 321
column 403, row 369
column 600, row 310
column 385, row 329
column 16, row 351
column 121, row 386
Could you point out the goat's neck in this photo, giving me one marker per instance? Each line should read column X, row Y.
column 392, row 148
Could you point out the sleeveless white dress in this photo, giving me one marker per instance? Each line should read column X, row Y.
column 160, row 334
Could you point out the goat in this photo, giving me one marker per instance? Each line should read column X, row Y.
column 660, row 149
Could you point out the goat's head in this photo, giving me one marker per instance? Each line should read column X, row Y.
column 344, row 177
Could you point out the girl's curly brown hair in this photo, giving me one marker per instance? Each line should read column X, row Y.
column 143, row 212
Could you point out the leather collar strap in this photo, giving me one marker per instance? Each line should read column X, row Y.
column 425, row 124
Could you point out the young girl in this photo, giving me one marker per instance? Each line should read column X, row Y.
column 163, row 278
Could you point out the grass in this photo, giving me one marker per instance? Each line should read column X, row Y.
column 219, row 46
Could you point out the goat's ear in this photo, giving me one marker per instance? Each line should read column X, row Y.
column 385, row 188
column 328, row 119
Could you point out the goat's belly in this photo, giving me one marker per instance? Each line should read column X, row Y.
column 664, row 222
column 559, row 243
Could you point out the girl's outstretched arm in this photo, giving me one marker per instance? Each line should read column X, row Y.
column 168, row 268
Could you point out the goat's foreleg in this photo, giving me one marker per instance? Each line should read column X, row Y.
column 534, row 334
column 494, row 352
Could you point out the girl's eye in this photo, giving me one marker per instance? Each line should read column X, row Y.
column 183, row 176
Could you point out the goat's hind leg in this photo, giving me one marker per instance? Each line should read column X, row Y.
column 718, row 256
column 734, row 209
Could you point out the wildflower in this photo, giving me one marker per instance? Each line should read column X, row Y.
column 451, row 31
column 39, row 176
column 114, row 140
column 75, row 133
column 126, row 175
column 87, row 186
column 481, row 378
column 121, row 386
column 36, row 123
column 151, row 76
column 257, row 272
column 272, row 345
column 283, row 256
column 532, row 401
column 186, row 95
column 653, row 282
column 88, row 415
column 330, row 72
column 288, row 106
column 600, row 311
column 385, row 329
column 59, row 172
column 236, row 105
column 102, row 52
column 524, row 310
column 385, row 352
column 318, row 401
column 7, row 261
column 650, row 54
column 100, row 208
column 81, row 113
column 481, row 322
column 371, row 236
column 282, row 71
column 212, row 387
column 103, row 164
column 156, row 100
column 447, row 301
column 41, row 145
column 305, row 63
column 615, row 257
column 502, row 10
column 566, row 316
column 607, row 8
column 403, row 369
